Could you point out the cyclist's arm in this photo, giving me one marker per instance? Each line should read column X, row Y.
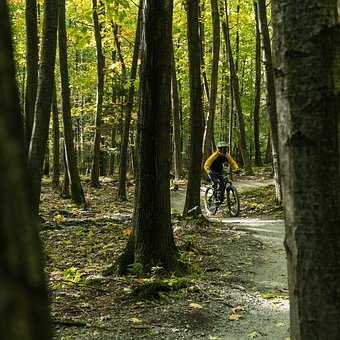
column 232, row 162
column 210, row 161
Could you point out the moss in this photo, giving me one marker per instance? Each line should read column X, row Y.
column 151, row 288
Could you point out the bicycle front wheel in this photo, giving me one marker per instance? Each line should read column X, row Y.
column 210, row 202
column 233, row 202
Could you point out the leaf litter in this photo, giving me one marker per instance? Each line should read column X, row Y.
column 80, row 245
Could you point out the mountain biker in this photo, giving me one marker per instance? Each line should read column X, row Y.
column 213, row 166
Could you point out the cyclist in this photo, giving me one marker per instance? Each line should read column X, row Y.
column 213, row 166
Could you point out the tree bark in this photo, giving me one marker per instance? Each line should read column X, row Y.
column 307, row 63
column 257, row 100
column 209, row 125
column 56, row 142
column 77, row 192
column 202, row 42
column 46, row 170
column 128, row 110
column 271, row 95
column 32, row 56
column 24, row 311
column 44, row 100
column 193, row 194
column 236, row 94
column 176, row 120
column 100, row 93
column 154, row 242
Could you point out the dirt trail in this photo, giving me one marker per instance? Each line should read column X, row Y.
column 265, row 296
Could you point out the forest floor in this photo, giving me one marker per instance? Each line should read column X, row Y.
column 235, row 287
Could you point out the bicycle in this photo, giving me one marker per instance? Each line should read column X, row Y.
column 230, row 201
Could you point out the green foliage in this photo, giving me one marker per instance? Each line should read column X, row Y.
column 72, row 275
column 82, row 65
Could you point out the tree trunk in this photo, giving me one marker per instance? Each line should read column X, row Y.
column 193, row 194
column 271, row 95
column 154, row 242
column 307, row 61
column 56, row 144
column 100, row 92
column 66, row 184
column 113, row 146
column 71, row 156
column 44, row 100
column 24, row 313
column 46, row 170
column 257, row 100
column 32, row 56
column 176, row 121
column 202, row 43
column 236, row 93
column 209, row 125
column 128, row 110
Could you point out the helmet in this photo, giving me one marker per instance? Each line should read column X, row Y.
column 222, row 144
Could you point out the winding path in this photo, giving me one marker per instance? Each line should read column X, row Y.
column 267, row 302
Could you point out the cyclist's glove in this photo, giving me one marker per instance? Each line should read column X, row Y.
column 237, row 171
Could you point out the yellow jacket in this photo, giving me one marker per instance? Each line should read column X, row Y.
column 216, row 160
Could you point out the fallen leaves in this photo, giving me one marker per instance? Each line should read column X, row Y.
column 195, row 306
column 236, row 313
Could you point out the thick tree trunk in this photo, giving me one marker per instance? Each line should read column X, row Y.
column 71, row 156
column 307, row 63
column 154, row 242
column 56, row 142
column 257, row 100
column 32, row 56
column 100, row 93
column 236, row 93
column 24, row 311
column 44, row 100
column 209, row 125
column 271, row 95
column 193, row 194
column 176, row 120
column 128, row 109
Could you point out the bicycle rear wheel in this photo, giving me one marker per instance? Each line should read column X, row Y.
column 233, row 202
column 210, row 203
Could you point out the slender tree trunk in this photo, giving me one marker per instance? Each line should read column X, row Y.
column 32, row 56
column 231, row 112
column 44, row 100
column 307, row 62
column 209, row 125
column 193, row 194
column 113, row 146
column 154, row 242
column 271, row 95
column 24, row 311
column 257, row 100
column 176, row 120
column 202, row 41
column 56, row 144
column 66, row 183
column 100, row 92
column 236, row 93
column 46, row 170
column 71, row 156
column 237, row 39
column 128, row 110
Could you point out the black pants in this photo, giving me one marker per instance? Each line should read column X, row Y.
column 219, row 184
